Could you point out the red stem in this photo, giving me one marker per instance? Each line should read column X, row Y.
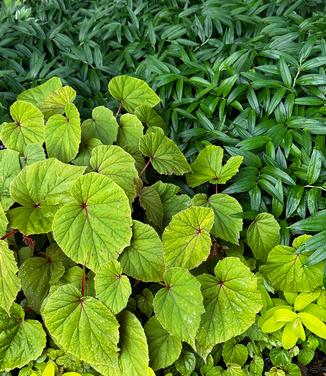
column 144, row 169
column 216, row 188
column 9, row 234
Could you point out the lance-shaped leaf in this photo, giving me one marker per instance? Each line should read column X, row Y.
column 113, row 161
column 9, row 169
column 227, row 215
column 63, row 134
column 186, row 240
column 181, row 300
column 143, row 259
column 9, row 282
column 132, row 92
column 50, row 97
column 95, row 226
column 150, row 117
column 32, row 153
column 263, row 235
column 112, row 288
column 36, row 275
column 286, row 270
column 21, row 340
column 82, row 327
column 27, row 127
column 164, row 348
column 207, row 167
column 130, row 131
column 41, row 188
column 103, row 126
column 164, row 154
column 231, row 300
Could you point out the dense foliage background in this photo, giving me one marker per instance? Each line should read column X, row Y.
column 248, row 76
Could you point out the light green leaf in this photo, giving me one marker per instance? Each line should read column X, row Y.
column 9, row 282
column 132, row 92
column 150, row 117
column 313, row 323
column 50, row 97
column 186, row 240
column 263, row 235
column 305, row 298
column 130, row 131
column 284, row 315
column 27, row 127
column 234, row 352
column 85, row 151
column 95, row 225
column 145, row 302
column 21, row 340
column 172, row 202
column 287, row 271
column 63, row 134
column 186, row 363
column 181, row 299
column 114, row 162
column 164, row 154
column 9, row 169
column 40, row 188
column 227, row 217
column 231, row 300
column 82, row 327
column 36, row 275
column 271, row 325
column 143, row 259
column 164, row 348
column 151, row 201
column 207, row 167
column 289, row 336
column 256, row 366
column 112, row 288
column 32, row 153
column 103, row 126
column 133, row 359
column 3, row 222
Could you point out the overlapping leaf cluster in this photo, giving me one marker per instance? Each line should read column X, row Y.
column 127, row 270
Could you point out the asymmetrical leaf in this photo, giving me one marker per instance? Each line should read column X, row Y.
column 231, row 300
column 133, row 359
column 114, row 162
column 263, row 235
column 151, row 201
column 227, row 215
column 103, row 126
column 181, row 299
column 50, row 97
column 9, row 169
column 207, row 167
column 41, row 189
column 164, row 348
column 164, row 154
column 36, row 275
column 3, row 222
column 286, row 270
column 130, row 131
column 186, row 240
column 82, row 327
column 9, row 282
column 112, row 288
column 21, row 340
column 85, row 152
column 63, row 134
column 95, row 225
column 32, row 153
column 132, row 92
column 234, row 352
column 150, row 117
column 143, row 259
column 27, row 127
